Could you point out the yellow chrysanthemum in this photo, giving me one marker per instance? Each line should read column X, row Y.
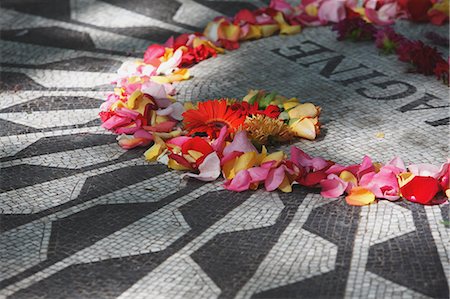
column 266, row 130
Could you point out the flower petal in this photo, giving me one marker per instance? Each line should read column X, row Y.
column 360, row 196
column 420, row 189
column 333, row 186
column 209, row 169
column 240, row 143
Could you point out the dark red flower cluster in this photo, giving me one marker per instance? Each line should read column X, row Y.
column 423, row 57
column 388, row 40
column 355, row 29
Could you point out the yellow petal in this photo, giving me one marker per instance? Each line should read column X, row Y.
column 285, row 185
column 268, row 30
column 160, row 119
column 360, row 197
column 311, row 9
column 178, row 75
column 303, row 110
column 229, row 32
column 304, row 128
column 277, row 156
column 245, row 161
column 195, row 154
column 254, row 32
column 447, row 193
column 347, row 176
column 404, row 178
column 377, row 166
column 189, row 106
column 175, row 165
column 250, row 95
column 153, row 153
column 117, row 104
column 140, row 104
column 262, row 155
column 131, row 103
column 167, row 54
column 285, row 28
column 290, row 105
column 228, row 169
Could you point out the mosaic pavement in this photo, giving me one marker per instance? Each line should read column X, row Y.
column 82, row 218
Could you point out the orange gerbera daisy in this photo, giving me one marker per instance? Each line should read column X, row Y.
column 211, row 116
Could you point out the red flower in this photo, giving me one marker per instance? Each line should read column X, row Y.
column 418, row 9
column 229, row 45
column 210, row 117
column 153, row 52
column 423, row 57
column 272, row 111
column 355, row 29
column 199, row 145
column 197, row 54
column 420, row 189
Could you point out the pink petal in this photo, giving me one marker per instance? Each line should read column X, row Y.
column 332, row 11
column 169, row 42
column 300, row 158
column 258, row 174
column 219, row 144
column 383, row 184
column 333, row 186
column 155, row 90
column 280, row 5
column 240, row 182
column 175, row 111
column 178, row 141
column 424, row 169
column 209, row 169
column 129, row 142
column 366, row 166
column 125, row 112
column 230, row 156
column 130, row 128
column 141, row 133
column 152, row 52
column 166, row 126
column 274, row 178
column 115, row 121
column 240, row 143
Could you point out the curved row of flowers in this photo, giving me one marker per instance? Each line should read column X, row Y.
column 228, row 136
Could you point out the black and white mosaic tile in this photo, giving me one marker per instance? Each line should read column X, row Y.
column 82, row 218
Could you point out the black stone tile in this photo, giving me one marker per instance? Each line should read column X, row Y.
column 17, row 81
column 82, row 64
column 156, row 9
column 206, row 210
column 337, row 223
column 83, row 229
column 23, row 175
column 47, row 103
column 231, row 259
column 411, row 259
column 155, row 34
column 51, row 37
column 8, row 128
column 228, row 8
column 57, row 9
column 56, row 144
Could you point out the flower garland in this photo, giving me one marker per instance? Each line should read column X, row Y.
column 426, row 60
column 228, row 137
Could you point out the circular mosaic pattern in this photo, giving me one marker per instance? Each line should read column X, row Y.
column 82, row 218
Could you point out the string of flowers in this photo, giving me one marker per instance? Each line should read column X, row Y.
column 228, row 137
column 425, row 59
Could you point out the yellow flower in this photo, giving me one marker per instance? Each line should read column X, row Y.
column 266, row 130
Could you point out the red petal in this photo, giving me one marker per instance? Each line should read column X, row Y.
column 420, row 189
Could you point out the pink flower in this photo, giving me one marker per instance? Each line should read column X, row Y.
column 334, row 10
column 381, row 12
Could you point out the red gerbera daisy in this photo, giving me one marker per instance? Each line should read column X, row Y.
column 210, row 117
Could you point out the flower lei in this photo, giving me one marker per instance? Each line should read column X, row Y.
column 228, row 137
